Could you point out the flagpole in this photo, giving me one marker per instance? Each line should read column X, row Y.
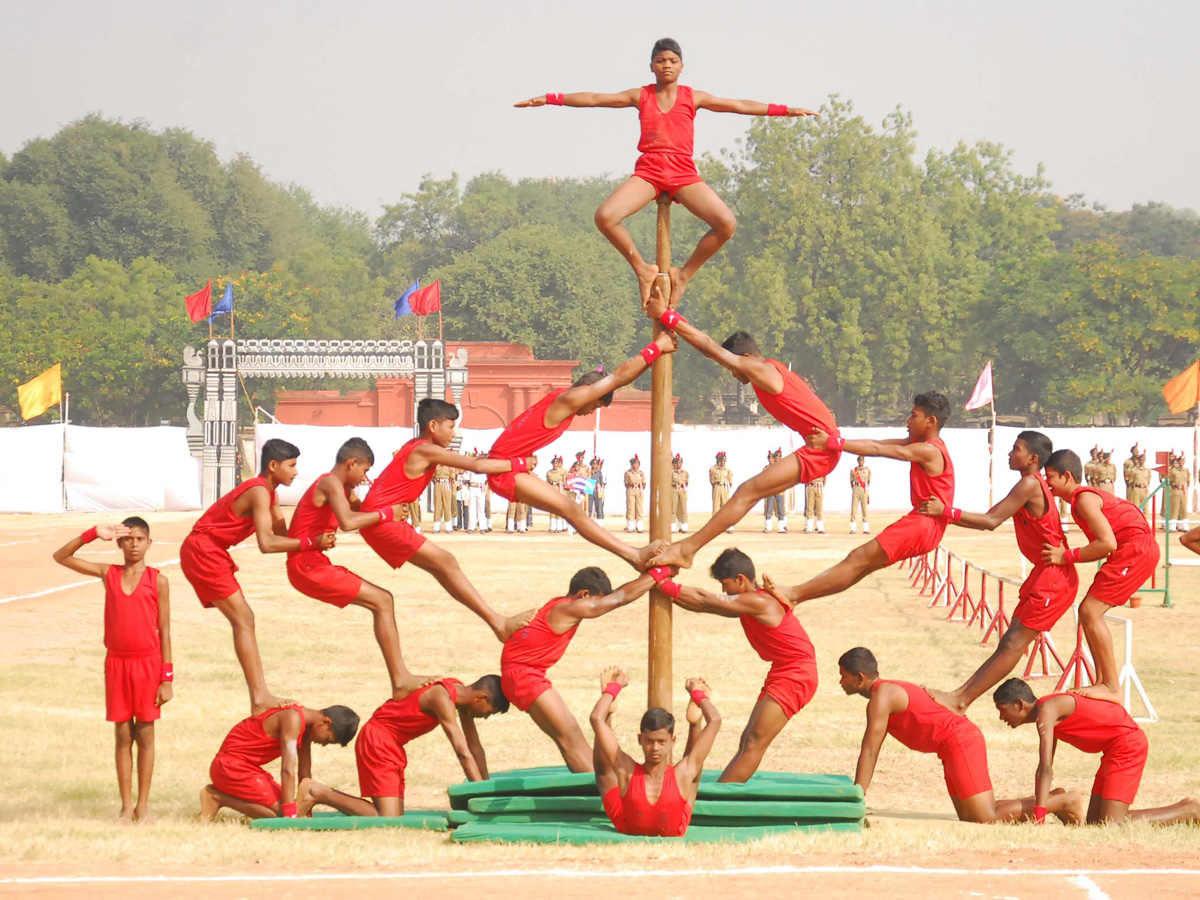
column 440, row 338
column 992, row 447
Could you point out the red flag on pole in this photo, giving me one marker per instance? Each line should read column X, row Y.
column 199, row 304
column 427, row 300
column 982, row 395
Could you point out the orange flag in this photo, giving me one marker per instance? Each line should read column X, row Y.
column 39, row 394
column 1183, row 391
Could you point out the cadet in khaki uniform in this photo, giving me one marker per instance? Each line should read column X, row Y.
column 635, row 485
column 443, row 498
column 414, row 514
column 776, row 504
column 596, row 499
column 720, row 477
column 1137, row 481
column 1090, row 467
column 679, row 488
column 1127, row 465
column 580, row 469
column 557, row 479
column 860, row 496
column 1180, row 479
column 1106, row 473
column 814, row 505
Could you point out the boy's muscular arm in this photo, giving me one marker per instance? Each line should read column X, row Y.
column 729, row 605
column 705, row 100
column 1050, row 712
column 165, row 688
column 290, row 723
column 893, row 448
column 1023, row 491
column 436, row 701
column 585, row 99
column 426, row 455
column 1090, row 509
column 575, row 398
column 879, row 707
column 65, row 555
column 344, row 510
column 267, row 519
column 565, row 615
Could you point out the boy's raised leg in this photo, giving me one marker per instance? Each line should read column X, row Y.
column 245, row 645
column 622, row 203
column 383, row 613
column 702, row 202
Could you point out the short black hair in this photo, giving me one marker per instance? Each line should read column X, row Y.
column 1013, row 690
column 137, row 522
column 730, row 564
column 356, row 448
column 666, row 44
column 278, row 450
column 343, row 722
column 656, row 718
column 1067, row 462
column 593, row 580
column 433, row 410
column 1039, row 445
column 859, row 661
column 490, row 685
column 934, row 403
column 591, row 378
column 741, row 344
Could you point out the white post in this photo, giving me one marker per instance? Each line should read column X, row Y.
column 992, row 448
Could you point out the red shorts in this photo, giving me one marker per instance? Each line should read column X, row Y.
column 312, row 574
column 964, row 763
column 130, row 685
column 667, row 171
column 791, row 690
column 381, row 762
column 816, row 463
column 504, row 484
column 1045, row 595
column 209, row 569
column 1121, row 767
column 394, row 541
column 523, row 684
column 1125, row 571
column 614, row 808
column 913, row 535
column 244, row 780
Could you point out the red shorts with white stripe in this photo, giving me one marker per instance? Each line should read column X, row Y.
column 1121, row 767
column 1125, row 571
column 1045, row 595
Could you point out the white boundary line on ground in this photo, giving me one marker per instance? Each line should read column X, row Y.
column 1093, row 889
column 1080, row 874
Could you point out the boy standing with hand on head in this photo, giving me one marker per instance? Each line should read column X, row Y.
column 137, row 633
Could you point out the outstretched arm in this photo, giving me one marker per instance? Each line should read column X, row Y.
column 65, row 555
column 575, row 398
column 444, row 710
column 606, row 740
column 585, row 99
column 704, row 100
column 565, row 615
column 271, row 530
column 692, row 764
column 902, row 449
column 1090, row 509
column 424, row 456
column 1050, row 712
column 1025, row 490
column 878, row 710
column 731, row 606
column 348, row 518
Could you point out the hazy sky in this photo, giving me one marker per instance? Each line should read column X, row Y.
column 356, row 101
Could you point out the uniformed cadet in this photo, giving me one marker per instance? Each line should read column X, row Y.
column 1180, row 479
column 635, row 485
column 596, row 499
column 462, row 483
column 1137, row 480
column 443, row 498
column 1106, row 473
column 720, row 477
column 776, row 504
column 1127, row 465
column 1089, row 467
column 413, row 514
column 679, row 489
column 557, row 479
column 860, row 496
column 814, row 505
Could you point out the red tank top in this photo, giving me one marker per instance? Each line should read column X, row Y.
column 394, row 486
column 669, row 816
column 922, row 485
column 405, row 719
column 786, row 646
column 1127, row 521
column 1033, row 533
column 537, row 645
column 527, row 433
column 797, row 406
column 312, row 519
column 1095, row 725
column 670, row 131
column 221, row 526
column 249, row 742
column 926, row 725
column 131, row 620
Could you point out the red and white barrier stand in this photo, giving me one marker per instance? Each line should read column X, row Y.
column 964, row 603
column 1000, row 621
column 947, row 591
column 983, row 610
column 1043, row 648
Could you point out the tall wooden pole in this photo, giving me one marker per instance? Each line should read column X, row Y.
column 660, row 477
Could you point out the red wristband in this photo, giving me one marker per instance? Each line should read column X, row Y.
column 698, row 695
column 168, row 672
column 289, row 810
column 88, row 536
column 954, row 514
column 659, row 574
column 554, row 99
column 306, row 542
column 1072, row 555
column 612, row 689
column 776, row 109
column 650, row 353
column 835, row 442
column 1039, row 815
column 671, row 589
column 387, row 514
column 670, row 318
column 519, row 464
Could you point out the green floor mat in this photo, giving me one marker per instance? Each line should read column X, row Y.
column 474, row 832
column 429, row 820
column 750, row 810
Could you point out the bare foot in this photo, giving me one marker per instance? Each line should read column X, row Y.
column 1076, row 811
column 1099, row 692
column 694, row 713
column 513, row 624
column 269, row 701
column 141, row 815
column 679, row 283
column 948, row 699
column 209, row 804
column 672, row 555
column 1191, row 810
column 782, row 594
column 410, row 683
column 641, row 560
column 646, row 273
column 126, row 816
column 305, row 800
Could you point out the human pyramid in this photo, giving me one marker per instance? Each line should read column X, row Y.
column 654, row 796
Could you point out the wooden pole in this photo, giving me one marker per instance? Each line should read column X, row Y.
column 659, row 689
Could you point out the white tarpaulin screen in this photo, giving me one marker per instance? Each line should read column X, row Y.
column 130, row 468
column 31, row 460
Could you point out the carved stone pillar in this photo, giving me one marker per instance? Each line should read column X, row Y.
column 220, row 421
column 193, row 378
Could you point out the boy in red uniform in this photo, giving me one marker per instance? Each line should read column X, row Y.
column 530, row 652
column 1093, row 726
column 404, row 480
column 911, row 716
column 549, row 418
column 783, row 394
column 652, row 797
column 250, row 508
column 667, row 111
column 931, row 476
column 380, row 751
column 1047, row 592
column 1117, row 533
column 777, row 637
column 137, row 634
column 239, row 781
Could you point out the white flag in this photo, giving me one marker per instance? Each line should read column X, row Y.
column 982, row 395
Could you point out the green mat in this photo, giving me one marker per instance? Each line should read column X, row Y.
column 825, row 811
column 606, row 834
column 426, row 819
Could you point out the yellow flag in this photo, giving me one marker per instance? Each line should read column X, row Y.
column 1183, row 391
column 39, row 394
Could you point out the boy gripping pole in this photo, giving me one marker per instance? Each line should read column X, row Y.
column 530, row 652
column 1117, row 533
column 666, row 110
column 1047, row 592
column 250, row 508
column 138, row 674
column 777, row 637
